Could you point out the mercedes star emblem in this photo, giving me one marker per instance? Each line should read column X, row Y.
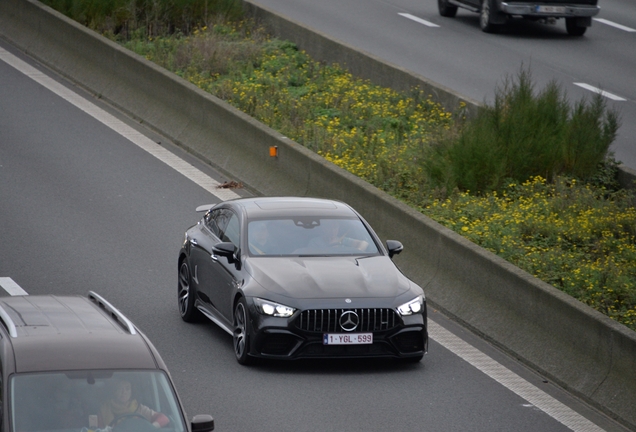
column 349, row 321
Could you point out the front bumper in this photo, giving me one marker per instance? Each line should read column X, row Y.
column 278, row 338
column 549, row 10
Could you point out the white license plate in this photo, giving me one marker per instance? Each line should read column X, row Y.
column 551, row 9
column 347, row 338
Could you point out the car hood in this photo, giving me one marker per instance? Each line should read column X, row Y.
column 329, row 277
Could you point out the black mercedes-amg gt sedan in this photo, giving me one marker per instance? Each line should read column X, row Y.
column 292, row 277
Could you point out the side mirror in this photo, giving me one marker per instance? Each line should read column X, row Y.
column 224, row 249
column 202, row 423
column 394, row 247
column 228, row 250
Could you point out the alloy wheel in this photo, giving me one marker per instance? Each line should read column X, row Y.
column 184, row 288
column 240, row 332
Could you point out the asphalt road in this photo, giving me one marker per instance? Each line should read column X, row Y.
column 83, row 208
column 455, row 53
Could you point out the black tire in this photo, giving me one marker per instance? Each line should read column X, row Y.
column 486, row 18
column 186, row 294
column 446, row 9
column 241, row 337
column 574, row 29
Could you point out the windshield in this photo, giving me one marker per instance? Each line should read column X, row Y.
column 89, row 400
column 307, row 236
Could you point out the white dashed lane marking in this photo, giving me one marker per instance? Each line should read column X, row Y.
column 601, row 92
column 9, row 285
column 419, row 20
column 616, row 25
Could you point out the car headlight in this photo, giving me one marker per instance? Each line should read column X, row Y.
column 412, row 307
column 271, row 308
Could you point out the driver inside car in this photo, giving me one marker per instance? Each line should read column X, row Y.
column 330, row 236
column 122, row 405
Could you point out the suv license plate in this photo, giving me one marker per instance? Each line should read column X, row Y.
column 347, row 339
column 551, row 9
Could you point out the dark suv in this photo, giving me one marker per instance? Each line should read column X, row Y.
column 78, row 364
column 494, row 13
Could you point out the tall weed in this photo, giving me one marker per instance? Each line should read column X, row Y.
column 526, row 134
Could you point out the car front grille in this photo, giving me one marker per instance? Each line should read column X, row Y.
column 328, row 320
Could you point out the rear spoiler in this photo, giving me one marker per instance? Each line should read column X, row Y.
column 204, row 208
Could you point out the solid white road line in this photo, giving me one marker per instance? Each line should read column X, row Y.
column 120, row 127
column 419, row 20
column 472, row 355
column 510, row 380
column 601, row 92
column 613, row 24
column 11, row 287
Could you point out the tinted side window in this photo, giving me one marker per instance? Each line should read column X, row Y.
column 232, row 230
column 215, row 221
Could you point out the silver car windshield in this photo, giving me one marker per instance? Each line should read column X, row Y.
column 94, row 400
column 309, row 236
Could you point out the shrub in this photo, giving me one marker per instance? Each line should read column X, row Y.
column 524, row 135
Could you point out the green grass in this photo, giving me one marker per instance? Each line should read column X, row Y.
column 530, row 178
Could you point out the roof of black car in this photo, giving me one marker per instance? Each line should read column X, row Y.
column 71, row 333
column 293, row 206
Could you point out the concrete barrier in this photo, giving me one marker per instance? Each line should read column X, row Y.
column 582, row 350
